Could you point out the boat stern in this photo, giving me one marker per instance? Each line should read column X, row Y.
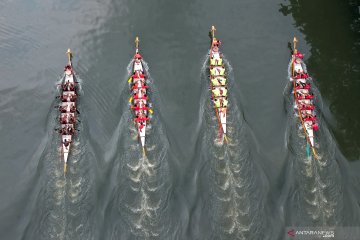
column 222, row 116
column 142, row 134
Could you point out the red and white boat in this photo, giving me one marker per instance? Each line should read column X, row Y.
column 218, row 83
column 303, row 98
column 139, row 96
column 68, row 110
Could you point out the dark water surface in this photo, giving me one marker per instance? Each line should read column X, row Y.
column 189, row 187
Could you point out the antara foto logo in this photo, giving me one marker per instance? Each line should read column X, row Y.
column 291, row 233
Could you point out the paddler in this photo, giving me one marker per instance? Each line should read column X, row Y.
column 137, row 57
column 71, row 119
column 216, row 92
column 70, row 130
column 301, row 75
column 217, row 103
column 302, row 85
column 217, row 71
column 73, row 97
column 305, row 96
column 218, row 81
column 223, row 102
column 66, row 142
column 67, row 67
column 144, row 97
column 223, row 91
column 216, row 61
column 62, row 109
column 299, row 55
column 64, row 119
column 73, row 108
column 138, row 74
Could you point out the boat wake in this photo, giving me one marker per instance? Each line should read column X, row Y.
column 141, row 197
column 237, row 207
column 317, row 196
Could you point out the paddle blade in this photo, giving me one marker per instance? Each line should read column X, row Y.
column 144, row 152
column 308, row 151
column 130, row 80
column 130, row 99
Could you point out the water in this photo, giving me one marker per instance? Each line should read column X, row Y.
column 188, row 186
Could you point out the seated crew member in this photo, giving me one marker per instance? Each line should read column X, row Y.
column 307, row 107
column 221, row 80
column 137, row 56
column 66, row 142
column 73, row 108
column 70, row 130
column 305, row 96
column 223, row 102
column 223, row 91
column 64, row 97
column 62, row 109
column 216, row 92
column 141, row 85
column 299, row 55
column 71, row 119
column 142, row 97
column 217, row 71
column 62, row 131
column 67, row 67
column 217, row 103
column 310, row 118
column 64, row 119
column 138, row 74
column 73, row 97
column 301, row 75
column 302, row 85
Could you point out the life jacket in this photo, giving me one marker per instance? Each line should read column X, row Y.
column 138, row 75
column 306, row 97
column 137, row 97
column 299, row 55
column 224, row 92
column 312, row 119
column 137, row 56
column 140, row 108
column 308, row 107
column 307, row 86
column 216, row 92
column 217, row 103
column 315, row 127
column 216, row 62
column 225, row 103
column 301, row 76
column 141, row 119
column 221, row 72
